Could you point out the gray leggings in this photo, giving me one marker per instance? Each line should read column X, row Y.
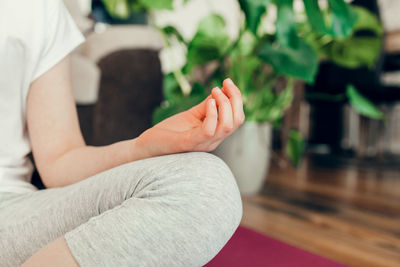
column 174, row 210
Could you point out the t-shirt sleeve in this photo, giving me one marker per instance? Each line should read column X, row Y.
column 61, row 36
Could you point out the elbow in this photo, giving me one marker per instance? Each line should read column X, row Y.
column 48, row 181
column 48, row 177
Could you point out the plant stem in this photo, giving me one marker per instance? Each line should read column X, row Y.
column 184, row 84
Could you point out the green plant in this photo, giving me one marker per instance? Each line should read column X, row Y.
column 122, row 9
column 360, row 48
column 265, row 65
column 362, row 105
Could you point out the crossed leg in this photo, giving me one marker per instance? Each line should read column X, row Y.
column 174, row 210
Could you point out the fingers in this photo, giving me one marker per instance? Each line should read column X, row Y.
column 235, row 97
column 225, row 114
column 209, row 125
column 221, row 114
column 200, row 110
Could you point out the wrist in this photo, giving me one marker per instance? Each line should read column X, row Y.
column 139, row 148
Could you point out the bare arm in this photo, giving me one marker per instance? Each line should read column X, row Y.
column 60, row 152
column 62, row 157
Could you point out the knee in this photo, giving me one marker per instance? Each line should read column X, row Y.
column 212, row 189
column 199, row 197
column 200, row 183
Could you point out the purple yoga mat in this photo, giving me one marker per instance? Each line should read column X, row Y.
column 249, row 248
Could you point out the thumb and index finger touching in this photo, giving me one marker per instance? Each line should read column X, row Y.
column 200, row 110
column 207, row 110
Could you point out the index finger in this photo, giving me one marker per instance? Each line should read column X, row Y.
column 235, row 96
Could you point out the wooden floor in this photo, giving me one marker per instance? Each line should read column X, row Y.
column 346, row 212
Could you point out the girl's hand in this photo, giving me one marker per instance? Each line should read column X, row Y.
column 201, row 128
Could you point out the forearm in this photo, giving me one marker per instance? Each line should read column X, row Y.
column 83, row 162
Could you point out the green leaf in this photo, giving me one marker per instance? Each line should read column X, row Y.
column 295, row 147
column 263, row 104
column 355, row 52
column 117, row 8
column 171, row 31
column 253, row 10
column 300, row 63
column 157, row 4
column 162, row 113
column 122, row 9
column 366, row 20
column 175, row 101
column 281, row 103
column 171, row 88
column 209, row 43
column 135, row 6
column 315, row 16
column 362, row 105
column 244, row 69
column 246, row 44
column 198, row 90
column 285, row 25
column 172, row 108
column 343, row 18
column 259, row 106
column 285, row 98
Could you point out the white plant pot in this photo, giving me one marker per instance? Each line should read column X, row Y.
column 247, row 153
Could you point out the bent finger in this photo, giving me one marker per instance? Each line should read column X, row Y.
column 225, row 119
column 210, row 122
column 235, row 97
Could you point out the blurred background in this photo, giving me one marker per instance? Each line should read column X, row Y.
column 317, row 160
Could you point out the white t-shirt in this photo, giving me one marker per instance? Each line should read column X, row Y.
column 34, row 36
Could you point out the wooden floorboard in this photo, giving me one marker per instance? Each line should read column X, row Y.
column 350, row 214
